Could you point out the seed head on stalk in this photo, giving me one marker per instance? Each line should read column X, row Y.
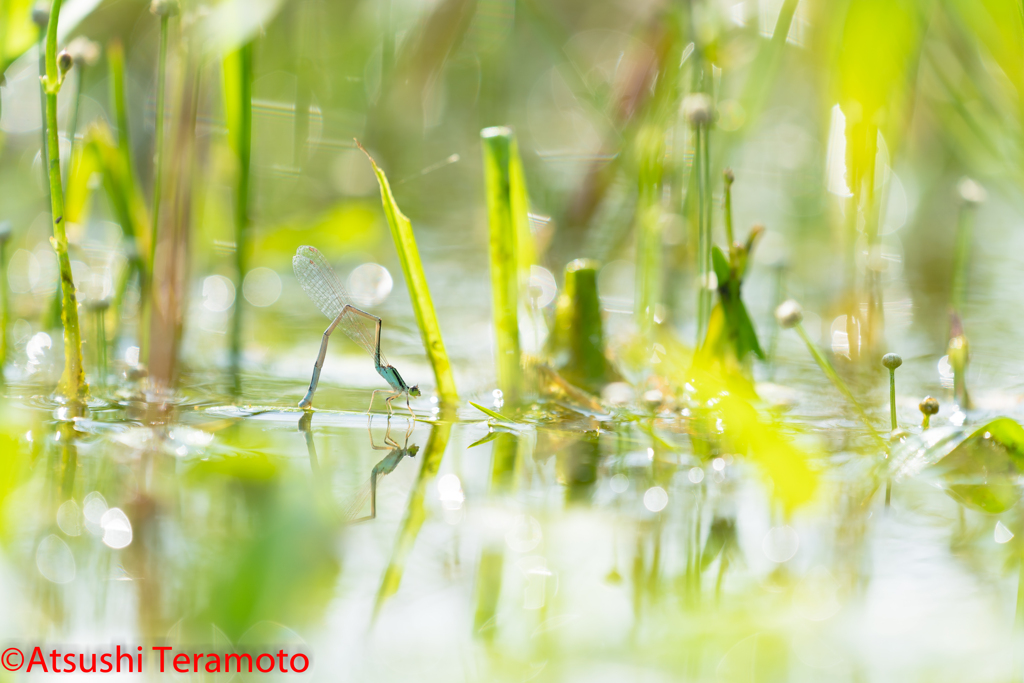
column 928, row 407
column 891, row 361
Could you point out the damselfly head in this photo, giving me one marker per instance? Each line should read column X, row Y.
column 414, row 391
column 413, row 450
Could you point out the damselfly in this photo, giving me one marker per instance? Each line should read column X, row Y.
column 322, row 285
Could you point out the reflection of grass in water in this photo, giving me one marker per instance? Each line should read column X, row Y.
column 415, row 513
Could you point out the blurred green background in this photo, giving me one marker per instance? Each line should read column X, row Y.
column 678, row 518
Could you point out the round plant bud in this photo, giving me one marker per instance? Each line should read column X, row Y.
column 84, row 51
column 892, row 360
column 970, row 191
column 65, row 61
column 730, row 177
column 698, row 109
column 789, row 314
column 653, row 399
column 136, row 372
column 41, row 13
column 929, row 406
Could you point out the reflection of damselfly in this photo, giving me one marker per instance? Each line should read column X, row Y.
column 322, row 285
column 381, row 469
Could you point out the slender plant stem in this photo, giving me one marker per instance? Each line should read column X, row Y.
column 158, row 155
column 961, row 259
column 51, row 313
column 892, row 398
column 706, row 170
column 703, row 248
column 72, row 383
column 5, row 303
column 42, row 104
column 100, row 313
column 728, row 213
column 73, row 122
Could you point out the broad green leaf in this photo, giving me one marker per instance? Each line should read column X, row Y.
column 738, row 326
column 794, row 482
column 721, row 265
column 978, row 466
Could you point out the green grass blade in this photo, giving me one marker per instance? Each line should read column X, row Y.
column 115, row 62
column 419, row 291
column 492, row 413
column 238, row 108
column 509, row 230
column 491, row 436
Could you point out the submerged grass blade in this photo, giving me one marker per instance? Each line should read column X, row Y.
column 419, row 291
column 72, row 383
column 509, row 230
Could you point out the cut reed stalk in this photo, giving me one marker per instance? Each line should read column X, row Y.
column 578, row 335
column 506, row 214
